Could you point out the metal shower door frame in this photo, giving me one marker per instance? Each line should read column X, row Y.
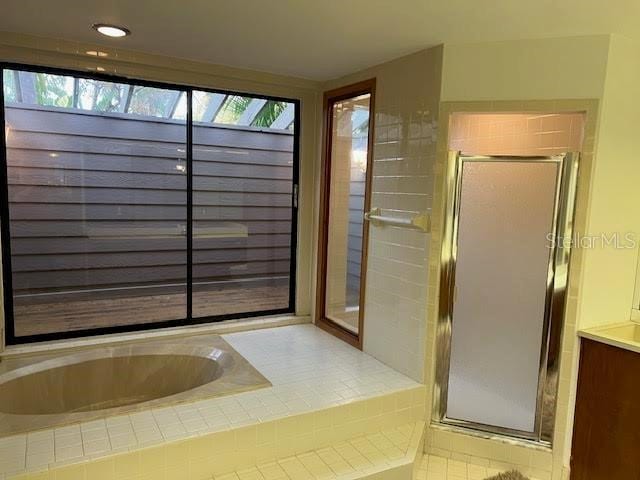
column 554, row 299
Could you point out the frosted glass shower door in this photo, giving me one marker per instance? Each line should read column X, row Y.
column 505, row 215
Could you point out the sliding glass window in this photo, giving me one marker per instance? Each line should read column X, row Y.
column 242, row 204
column 130, row 205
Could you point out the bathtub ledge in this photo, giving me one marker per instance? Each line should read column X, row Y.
column 230, row 326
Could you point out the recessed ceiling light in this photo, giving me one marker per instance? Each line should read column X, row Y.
column 95, row 53
column 111, row 30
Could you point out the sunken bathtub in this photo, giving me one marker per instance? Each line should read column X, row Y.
column 41, row 392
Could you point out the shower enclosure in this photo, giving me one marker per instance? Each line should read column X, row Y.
column 503, row 277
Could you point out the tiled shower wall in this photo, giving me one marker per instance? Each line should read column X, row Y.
column 551, row 464
column 516, row 133
column 406, row 106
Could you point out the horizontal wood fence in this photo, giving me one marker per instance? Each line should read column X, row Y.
column 98, row 201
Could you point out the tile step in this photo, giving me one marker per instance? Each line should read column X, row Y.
column 208, row 453
column 390, row 454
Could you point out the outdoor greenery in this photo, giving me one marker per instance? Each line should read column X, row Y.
column 200, row 102
column 103, row 96
column 232, row 109
column 54, row 90
column 153, row 102
column 269, row 113
column 9, row 82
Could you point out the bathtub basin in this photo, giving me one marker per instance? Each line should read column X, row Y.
column 107, row 381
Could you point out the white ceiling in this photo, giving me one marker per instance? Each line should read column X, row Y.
column 316, row 39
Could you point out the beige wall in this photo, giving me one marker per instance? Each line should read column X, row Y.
column 609, row 273
column 406, row 112
column 554, row 75
column 72, row 55
column 572, row 67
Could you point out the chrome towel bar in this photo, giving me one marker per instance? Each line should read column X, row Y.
column 420, row 222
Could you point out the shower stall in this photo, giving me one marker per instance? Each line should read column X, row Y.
column 504, row 266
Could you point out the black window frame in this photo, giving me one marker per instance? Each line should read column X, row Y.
column 5, row 230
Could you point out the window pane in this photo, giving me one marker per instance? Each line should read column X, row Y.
column 180, row 111
column 97, row 208
column 242, row 211
column 101, row 96
column 269, row 113
column 206, row 105
column 54, row 90
column 232, row 109
column 349, row 143
column 9, row 86
column 153, row 102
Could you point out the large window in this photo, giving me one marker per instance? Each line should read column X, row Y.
column 131, row 205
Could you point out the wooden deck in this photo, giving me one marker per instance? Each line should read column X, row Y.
column 87, row 314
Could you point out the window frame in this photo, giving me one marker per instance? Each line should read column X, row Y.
column 330, row 98
column 5, row 228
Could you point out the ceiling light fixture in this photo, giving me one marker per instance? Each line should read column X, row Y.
column 95, row 53
column 111, row 30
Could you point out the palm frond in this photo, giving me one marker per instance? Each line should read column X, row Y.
column 269, row 113
column 232, row 109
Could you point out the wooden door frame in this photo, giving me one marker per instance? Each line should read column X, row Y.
column 329, row 99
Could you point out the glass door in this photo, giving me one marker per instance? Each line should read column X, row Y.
column 503, row 292
column 346, row 197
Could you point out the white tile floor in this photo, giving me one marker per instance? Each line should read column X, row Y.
column 439, row 468
column 308, row 368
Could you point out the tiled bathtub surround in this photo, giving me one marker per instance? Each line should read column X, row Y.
column 323, row 392
column 106, row 381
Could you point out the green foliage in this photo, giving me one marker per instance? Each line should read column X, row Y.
column 200, row 103
column 9, row 86
column 102, row 96
column 108, row 97
column 53, row 90
column 152, row 102
column 232, row 108
column 269, row 113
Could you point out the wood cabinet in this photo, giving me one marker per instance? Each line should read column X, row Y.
column 606, row 432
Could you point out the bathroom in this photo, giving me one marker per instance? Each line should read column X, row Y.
column 253, row 264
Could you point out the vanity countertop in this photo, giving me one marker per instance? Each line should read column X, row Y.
column 623, row 335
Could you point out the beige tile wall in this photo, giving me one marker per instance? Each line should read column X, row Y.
column 457, row 443
column 406, row 114
column 516, row 133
